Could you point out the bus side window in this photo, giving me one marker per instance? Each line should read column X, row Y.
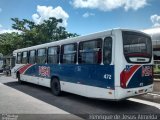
column 32, row 56
column 19, row 57
column 69, row 53
column 107, row 50
column 53, row 55
column 90, row 52
column 41, row 56
column 25, row 57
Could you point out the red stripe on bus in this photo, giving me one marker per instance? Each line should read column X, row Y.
column 24, row 68
column 126, row 75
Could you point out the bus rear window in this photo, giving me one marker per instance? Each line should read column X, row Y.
column 137, row 47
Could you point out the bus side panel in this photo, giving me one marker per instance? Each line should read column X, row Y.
column 93, row 75
column 88, row 80
column 93, row 80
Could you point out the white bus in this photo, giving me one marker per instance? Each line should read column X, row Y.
column 114, row 64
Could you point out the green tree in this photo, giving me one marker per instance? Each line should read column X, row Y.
column 32, row 34
column 9, row 42
column 48, row 31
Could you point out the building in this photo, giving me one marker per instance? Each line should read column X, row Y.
column 155, row 34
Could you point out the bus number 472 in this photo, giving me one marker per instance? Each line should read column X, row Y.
column 107, row 76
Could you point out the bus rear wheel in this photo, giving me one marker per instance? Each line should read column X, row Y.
column 55, row 87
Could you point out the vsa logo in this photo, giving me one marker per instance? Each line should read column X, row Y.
column 147, row 71
column 44, row 71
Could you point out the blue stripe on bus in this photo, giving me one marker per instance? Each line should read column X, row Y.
column 93, row 75
column 138, row 80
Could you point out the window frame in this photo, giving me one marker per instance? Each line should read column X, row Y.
column 110, row 51
column 30, row 57
column 19, row 62
column 58, row 51
column 124, row 33
column 101, row 45
column 37, row 57
column 62, row 53
column 23, row 58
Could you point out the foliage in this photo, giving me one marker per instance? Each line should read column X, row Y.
column 10, row 42
column 32, row 34
column 42, row 33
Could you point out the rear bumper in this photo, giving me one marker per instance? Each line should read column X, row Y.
column 125, row 93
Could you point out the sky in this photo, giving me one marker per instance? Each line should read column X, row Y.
column 83, row 16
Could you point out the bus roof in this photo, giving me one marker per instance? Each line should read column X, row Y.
column 75, row 39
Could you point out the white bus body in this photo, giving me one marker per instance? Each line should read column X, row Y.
column 83, row 66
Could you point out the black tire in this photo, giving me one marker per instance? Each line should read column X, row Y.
column 19, row 78
column 56, row 87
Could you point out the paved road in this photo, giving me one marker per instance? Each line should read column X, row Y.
column 15, row 103
column 82, row 106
